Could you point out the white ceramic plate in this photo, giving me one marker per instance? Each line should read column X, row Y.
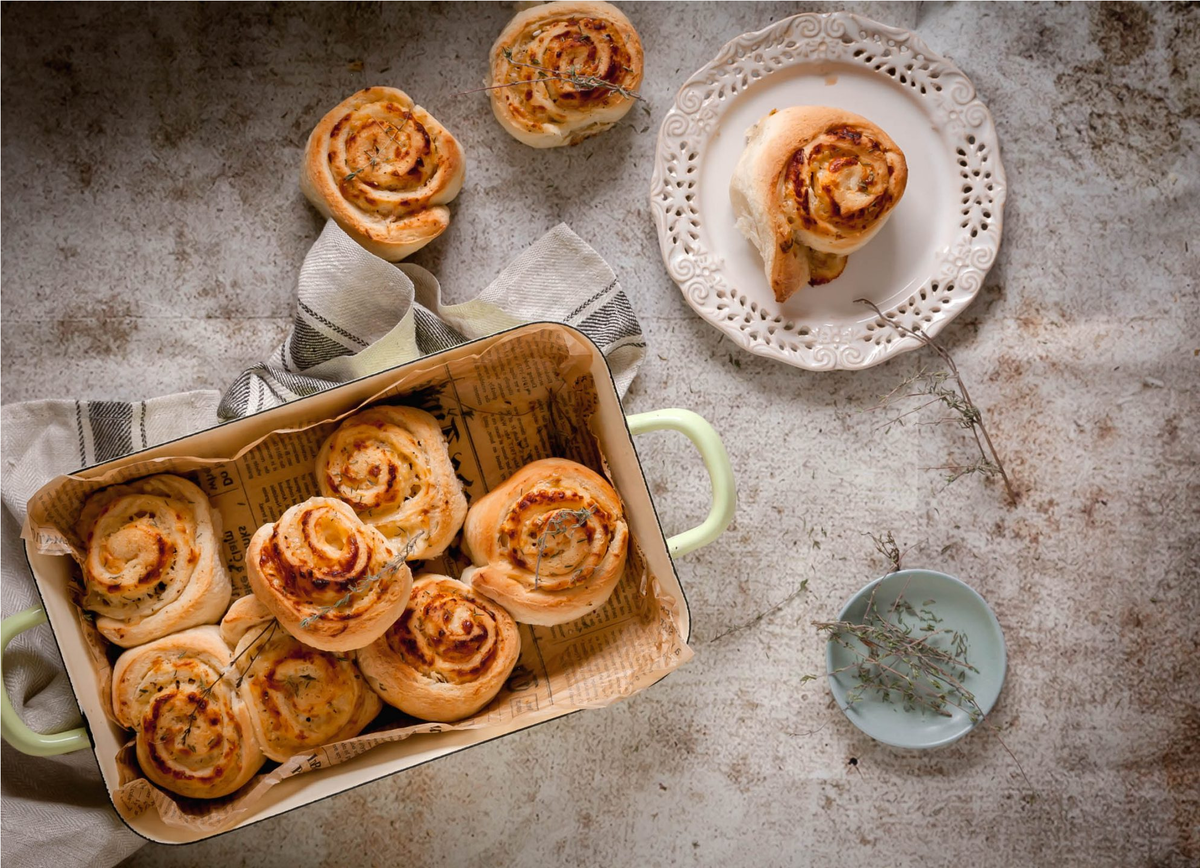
column 925, row 265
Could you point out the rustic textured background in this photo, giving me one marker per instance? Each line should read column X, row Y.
column 152, row 231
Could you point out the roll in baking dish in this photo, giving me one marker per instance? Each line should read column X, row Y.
column 392, row 466
column 298, row 696
column 194, row 735
column 332, row 582
column 151, row 562
column 549, row 544
column 447, row 656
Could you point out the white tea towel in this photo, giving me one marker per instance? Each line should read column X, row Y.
column 356, row 314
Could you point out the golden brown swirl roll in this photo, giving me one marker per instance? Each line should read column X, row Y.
column 194, row 735
column 384, row 169
column 299, row 697
column 561, row 72
column 152, row 562
column 392, row 465
column 813, row 185
column 447, row 656
column 332, row 582
column 549, row 544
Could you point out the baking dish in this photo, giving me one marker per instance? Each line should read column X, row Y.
column 612, row 433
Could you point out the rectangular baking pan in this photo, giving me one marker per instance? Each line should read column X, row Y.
column 614, row 432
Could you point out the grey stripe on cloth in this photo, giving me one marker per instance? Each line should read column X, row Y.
column 355, row 315
column 611, row 323
column 307, row 347
column 112, row 428
column 433, row 335
column 574, row 315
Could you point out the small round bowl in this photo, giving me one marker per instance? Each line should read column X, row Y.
column 961, row 609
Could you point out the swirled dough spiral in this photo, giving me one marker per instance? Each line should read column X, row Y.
column 194, row 735
column 152, row 562
column 392, row 465
column 384, row 169
column 813, row 185
column 321, row 572
column 299, row 697
column 549, row 544
column 447, row 656
column 581, row 40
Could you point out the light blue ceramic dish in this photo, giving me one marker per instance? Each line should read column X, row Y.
column 961, row 609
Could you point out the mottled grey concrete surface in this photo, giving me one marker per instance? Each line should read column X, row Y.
column 152, row 230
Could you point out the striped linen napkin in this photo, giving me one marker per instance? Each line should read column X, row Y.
column 355, row 314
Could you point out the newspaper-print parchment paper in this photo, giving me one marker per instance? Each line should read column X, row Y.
column 524, row 397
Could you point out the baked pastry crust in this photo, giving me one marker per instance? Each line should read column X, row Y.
column 813, row 185
column 447, row 656
column 321, row 573
column 299, row 697
column 384, row 169
column 549, row 544
column 194, row 735
column 392, row 466
column 577, row 38
column 152, row 562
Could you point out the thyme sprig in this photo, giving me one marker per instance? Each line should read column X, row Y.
column 947, row 388
column 387, row 570
column 904, row 657
column 573, row 77
column 374, row 159
column 268, row 631
column 564, row 522
column 907, row 656
column 765, row 613
column 887, row 546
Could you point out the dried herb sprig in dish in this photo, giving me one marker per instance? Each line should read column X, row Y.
column 904, row 655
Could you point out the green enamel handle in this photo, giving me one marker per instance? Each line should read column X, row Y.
column 716, row 461
column 13, row 729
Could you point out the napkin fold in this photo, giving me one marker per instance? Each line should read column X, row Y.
column 355, row 314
